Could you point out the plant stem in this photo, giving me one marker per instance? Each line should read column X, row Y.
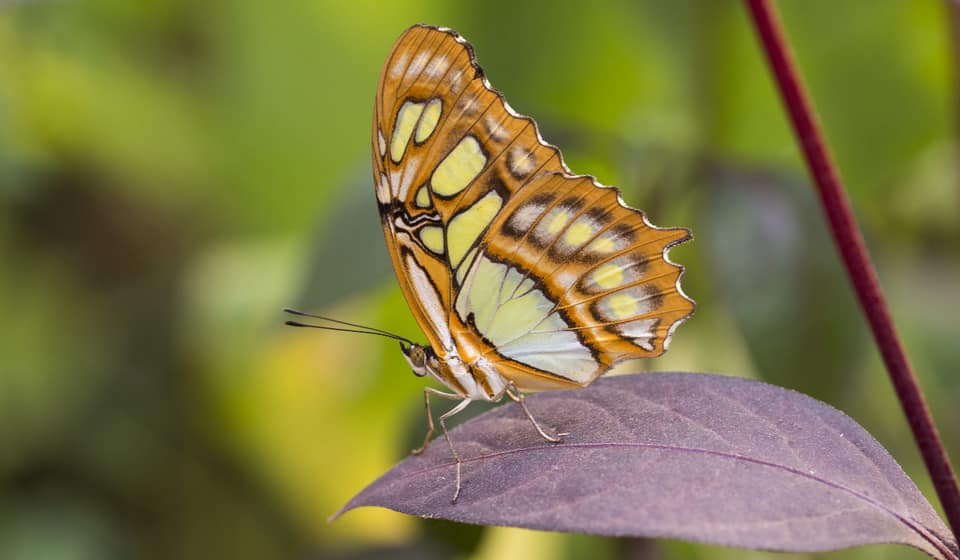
column 849, row 241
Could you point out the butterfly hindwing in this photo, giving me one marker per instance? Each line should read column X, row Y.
column 502, row 253
column 610, row 293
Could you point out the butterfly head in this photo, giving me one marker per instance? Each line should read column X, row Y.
column 421, row 358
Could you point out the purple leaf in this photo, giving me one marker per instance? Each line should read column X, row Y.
column 705, row 458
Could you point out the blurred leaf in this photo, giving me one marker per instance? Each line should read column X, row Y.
column 778, row 270
column 882, row 96
column 52, row 357
column 58, row 524
column 66, row 106
column 701, row 457
column 925, row 204
column 350, row 255
column 461, row 538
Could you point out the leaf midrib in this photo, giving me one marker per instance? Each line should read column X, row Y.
column 917, row 528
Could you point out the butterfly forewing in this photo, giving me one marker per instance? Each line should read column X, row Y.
column 444, row 141
column 503, row 254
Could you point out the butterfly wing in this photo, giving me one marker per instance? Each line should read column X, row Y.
column 502, row 254
column 442, row 141
column 569, row 281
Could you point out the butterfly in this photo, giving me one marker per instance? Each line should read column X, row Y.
column 523, row 276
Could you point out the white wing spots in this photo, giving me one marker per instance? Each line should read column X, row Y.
column 458, row 81
column 409, row 173
column 469, row 105
column 642, row 331
column 465, row 227
column 523, row 327
column 418, row 63
column 523, row 218
column 605, row 245
column 459, row 168
column 407, row 117
column 399, row 65
column 422, row 199
column 495, row 128
column 438, row 67
column 428, row 122
column 551, row 225
column 395, row 180
column 430, row 302
column 432, row 238
column 381, row 143
column 521, row 161
column 564, row 278
column 383, row 189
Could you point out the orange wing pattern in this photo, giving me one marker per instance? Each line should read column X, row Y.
column 503, row 255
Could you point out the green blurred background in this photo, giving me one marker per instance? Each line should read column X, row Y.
column 174, row 172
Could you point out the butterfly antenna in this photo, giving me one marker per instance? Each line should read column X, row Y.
column 357, row 328
column 337, row 321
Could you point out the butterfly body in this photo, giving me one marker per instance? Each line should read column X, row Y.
column 475, row 380
column 523, row 276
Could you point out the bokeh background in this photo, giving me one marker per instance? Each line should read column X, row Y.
column 174, row 172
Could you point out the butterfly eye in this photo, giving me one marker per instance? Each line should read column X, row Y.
column 416, row 357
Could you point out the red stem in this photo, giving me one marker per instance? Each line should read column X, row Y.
column 849, row 241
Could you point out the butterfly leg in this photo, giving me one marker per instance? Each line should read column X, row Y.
column 517, row 396
column 443, row 424
column 427, row 391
